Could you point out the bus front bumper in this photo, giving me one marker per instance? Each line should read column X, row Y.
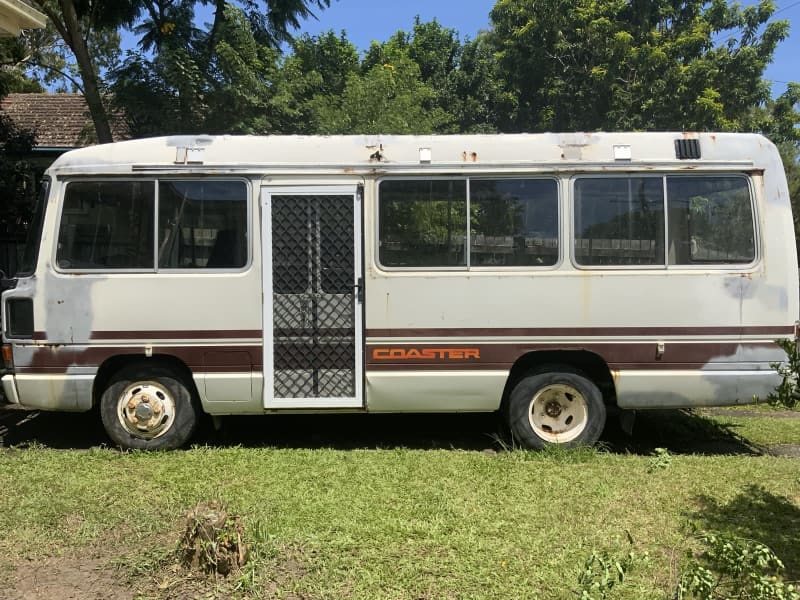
column 9, row 390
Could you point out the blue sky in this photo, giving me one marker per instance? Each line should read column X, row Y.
column 367, row 20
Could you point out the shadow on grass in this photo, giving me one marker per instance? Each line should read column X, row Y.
column 680, row 432
column 340, row 431
column 760, row 515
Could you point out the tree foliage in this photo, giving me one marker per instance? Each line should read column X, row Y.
column 86, row 31
column 641, row 64
column 181, row 89
column 543, row 65
column 81, row 44
column 17, row 175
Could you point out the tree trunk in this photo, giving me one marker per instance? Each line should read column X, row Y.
column 70, row 30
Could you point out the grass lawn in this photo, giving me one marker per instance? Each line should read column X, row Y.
column 403, row 522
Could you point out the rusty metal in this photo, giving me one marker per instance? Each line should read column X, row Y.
column 146, row 409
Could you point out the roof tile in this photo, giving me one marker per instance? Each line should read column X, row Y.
column 59, row 120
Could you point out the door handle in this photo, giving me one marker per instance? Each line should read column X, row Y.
column 359, row 290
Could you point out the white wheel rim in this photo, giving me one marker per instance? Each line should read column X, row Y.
column 146, row 409
column 558, row 413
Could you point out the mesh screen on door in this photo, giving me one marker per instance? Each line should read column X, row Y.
column 313, row 296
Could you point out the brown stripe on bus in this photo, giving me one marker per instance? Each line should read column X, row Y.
column 58, row 359
column 579, row 331
column 503, row 355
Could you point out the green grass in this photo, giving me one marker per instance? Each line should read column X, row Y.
column 764, row 431
column 404, row 523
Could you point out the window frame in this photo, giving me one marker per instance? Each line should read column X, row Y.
column 741, row 266
column 665, row 265
column 468, row 267
column 154, row 269
column 248, row 233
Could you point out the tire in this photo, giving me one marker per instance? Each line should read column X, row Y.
column 148, row 407
column 558, row 405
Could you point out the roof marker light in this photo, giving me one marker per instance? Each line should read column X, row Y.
column 622, row 152
column 194, row 155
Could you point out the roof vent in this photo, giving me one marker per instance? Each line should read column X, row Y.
column 687, row 149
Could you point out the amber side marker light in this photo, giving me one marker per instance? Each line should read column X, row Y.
column 7, row 356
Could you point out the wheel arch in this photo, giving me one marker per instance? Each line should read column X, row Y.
column 114, row 364
column 591, row 364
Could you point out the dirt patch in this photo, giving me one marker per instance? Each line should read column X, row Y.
column 80, row 576
column 275, row 576
column 154, row 570
column 754, row 413
column 792, row 450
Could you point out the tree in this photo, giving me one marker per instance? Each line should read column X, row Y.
column 311, row 78
column 388, row 98
column 485, row 106
column 641, row 64
column 780, row 121
column 89, row 31
column 183, row 90
column 12, row 76
column 17, row 176
column 80, row 24
column 323, row 88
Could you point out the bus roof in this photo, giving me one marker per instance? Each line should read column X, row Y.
column 387, row 152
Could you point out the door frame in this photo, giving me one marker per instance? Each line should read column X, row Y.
column 355, row 191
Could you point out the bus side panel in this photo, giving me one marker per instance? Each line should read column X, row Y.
column 671, row 337
column 682, row 389
column 208, row 321
column 431, row 391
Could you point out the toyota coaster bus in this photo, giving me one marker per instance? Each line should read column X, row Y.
column 546, row 276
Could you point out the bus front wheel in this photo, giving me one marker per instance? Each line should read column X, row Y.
column 558, row 405
column 149, row 408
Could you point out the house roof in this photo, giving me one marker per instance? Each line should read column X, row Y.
column 59, row 120
column 16, row 15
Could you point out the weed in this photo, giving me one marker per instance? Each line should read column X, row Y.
column 603, row 571
column 660, row 460
column 261, row 550
column 737, row 568
column 787, row 394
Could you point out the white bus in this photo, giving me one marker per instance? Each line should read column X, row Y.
column 547, row 276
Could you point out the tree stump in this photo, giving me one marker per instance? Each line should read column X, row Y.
column 213, row 540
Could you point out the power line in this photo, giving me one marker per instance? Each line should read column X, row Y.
column 780, row 10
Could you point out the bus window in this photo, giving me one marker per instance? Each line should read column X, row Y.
column 423, row 223
column 106, row 225
column 202, row 224
column 619, row 221
column 514, row 222
column 710, row 220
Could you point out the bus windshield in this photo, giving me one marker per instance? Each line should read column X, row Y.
column 31, row 251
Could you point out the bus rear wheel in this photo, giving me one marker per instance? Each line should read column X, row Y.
column 148, row 408
column 558, row 405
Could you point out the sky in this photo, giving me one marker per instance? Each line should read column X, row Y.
column 367, row 20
